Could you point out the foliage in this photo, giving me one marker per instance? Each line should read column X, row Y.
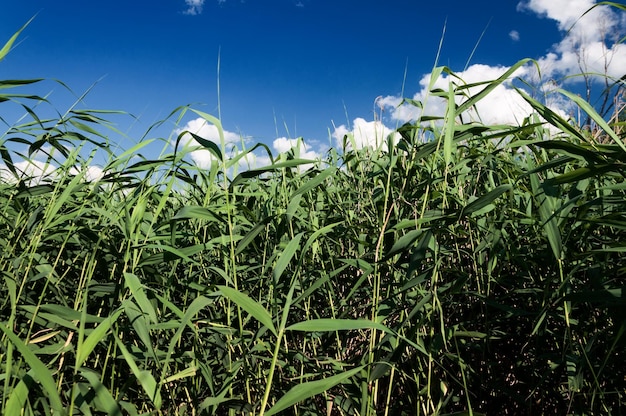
column 462, row 268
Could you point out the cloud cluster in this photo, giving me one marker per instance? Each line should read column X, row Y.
column 503, row 105
column 363, row 134
column 35, row 172
column 586, row 47
column 203, row 158
column 194, row 7
column 301, row 150
column 588, row 44
column 202, row 128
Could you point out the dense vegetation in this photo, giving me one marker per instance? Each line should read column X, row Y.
column 461, row 268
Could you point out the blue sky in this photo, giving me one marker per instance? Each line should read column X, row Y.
column 288, row 68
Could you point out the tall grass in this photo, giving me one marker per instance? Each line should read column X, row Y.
column 461, row 268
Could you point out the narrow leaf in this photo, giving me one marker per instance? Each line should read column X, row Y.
column 317, row 180
column 7, row 46
column 597, row 118
column 309, row 389
column 329, row 324
column 98, row 334
column 136, row 289
column 41, row 373
column 249, row 305
column 103, row 396
column 404, row 242
column 287, row 255
column 145, row 378
column 485, row 200
column 252, row 173
column 196, row 306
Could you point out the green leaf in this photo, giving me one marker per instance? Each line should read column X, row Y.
column 251, row 235
column 104, row 399
column 309, row 389
column 217, row 123
column 469, row 334
column 127, row 155
column 98, row 334
column 198, row 213
column 169, row 254
column 136, row 289
column 449, row 124
column 580, row 174
column 286, row 256
column 7, row 46
column 209, row 145
column 139, row 322
column 192, row 310
column 324, row 230
column 252, row 173
column 317, row 180
column 249, row 305
column 485, row 200
column 491, row 85
column 17, row 399
column 585, row 152
column 187, row 372
column 41, row 373
column 145, row 378
column 547, row 209
column 330, row 324
column 597, row 118
column 404, row 242
column 550, row 116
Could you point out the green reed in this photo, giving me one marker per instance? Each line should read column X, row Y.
column 461, row 268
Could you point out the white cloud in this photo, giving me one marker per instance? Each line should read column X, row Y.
column 300, row 148
column 34, row 171
column 503, row 105
column 514, row 35
column 283, row 145
column 202, row 128
column 203, row 158
column 91, row 173
column 38, row 171
column 260, row 159
column 363, row 134
column 586, row 47
column 194, row 7
column 253, row 160
column 588, row 44
column 564, row 12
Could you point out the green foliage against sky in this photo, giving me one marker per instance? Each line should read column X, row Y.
column 456, row 267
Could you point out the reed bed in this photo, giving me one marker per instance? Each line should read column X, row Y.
column 460, row 269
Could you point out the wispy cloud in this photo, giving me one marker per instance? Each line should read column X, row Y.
column 194, row 7
column 514, row 35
